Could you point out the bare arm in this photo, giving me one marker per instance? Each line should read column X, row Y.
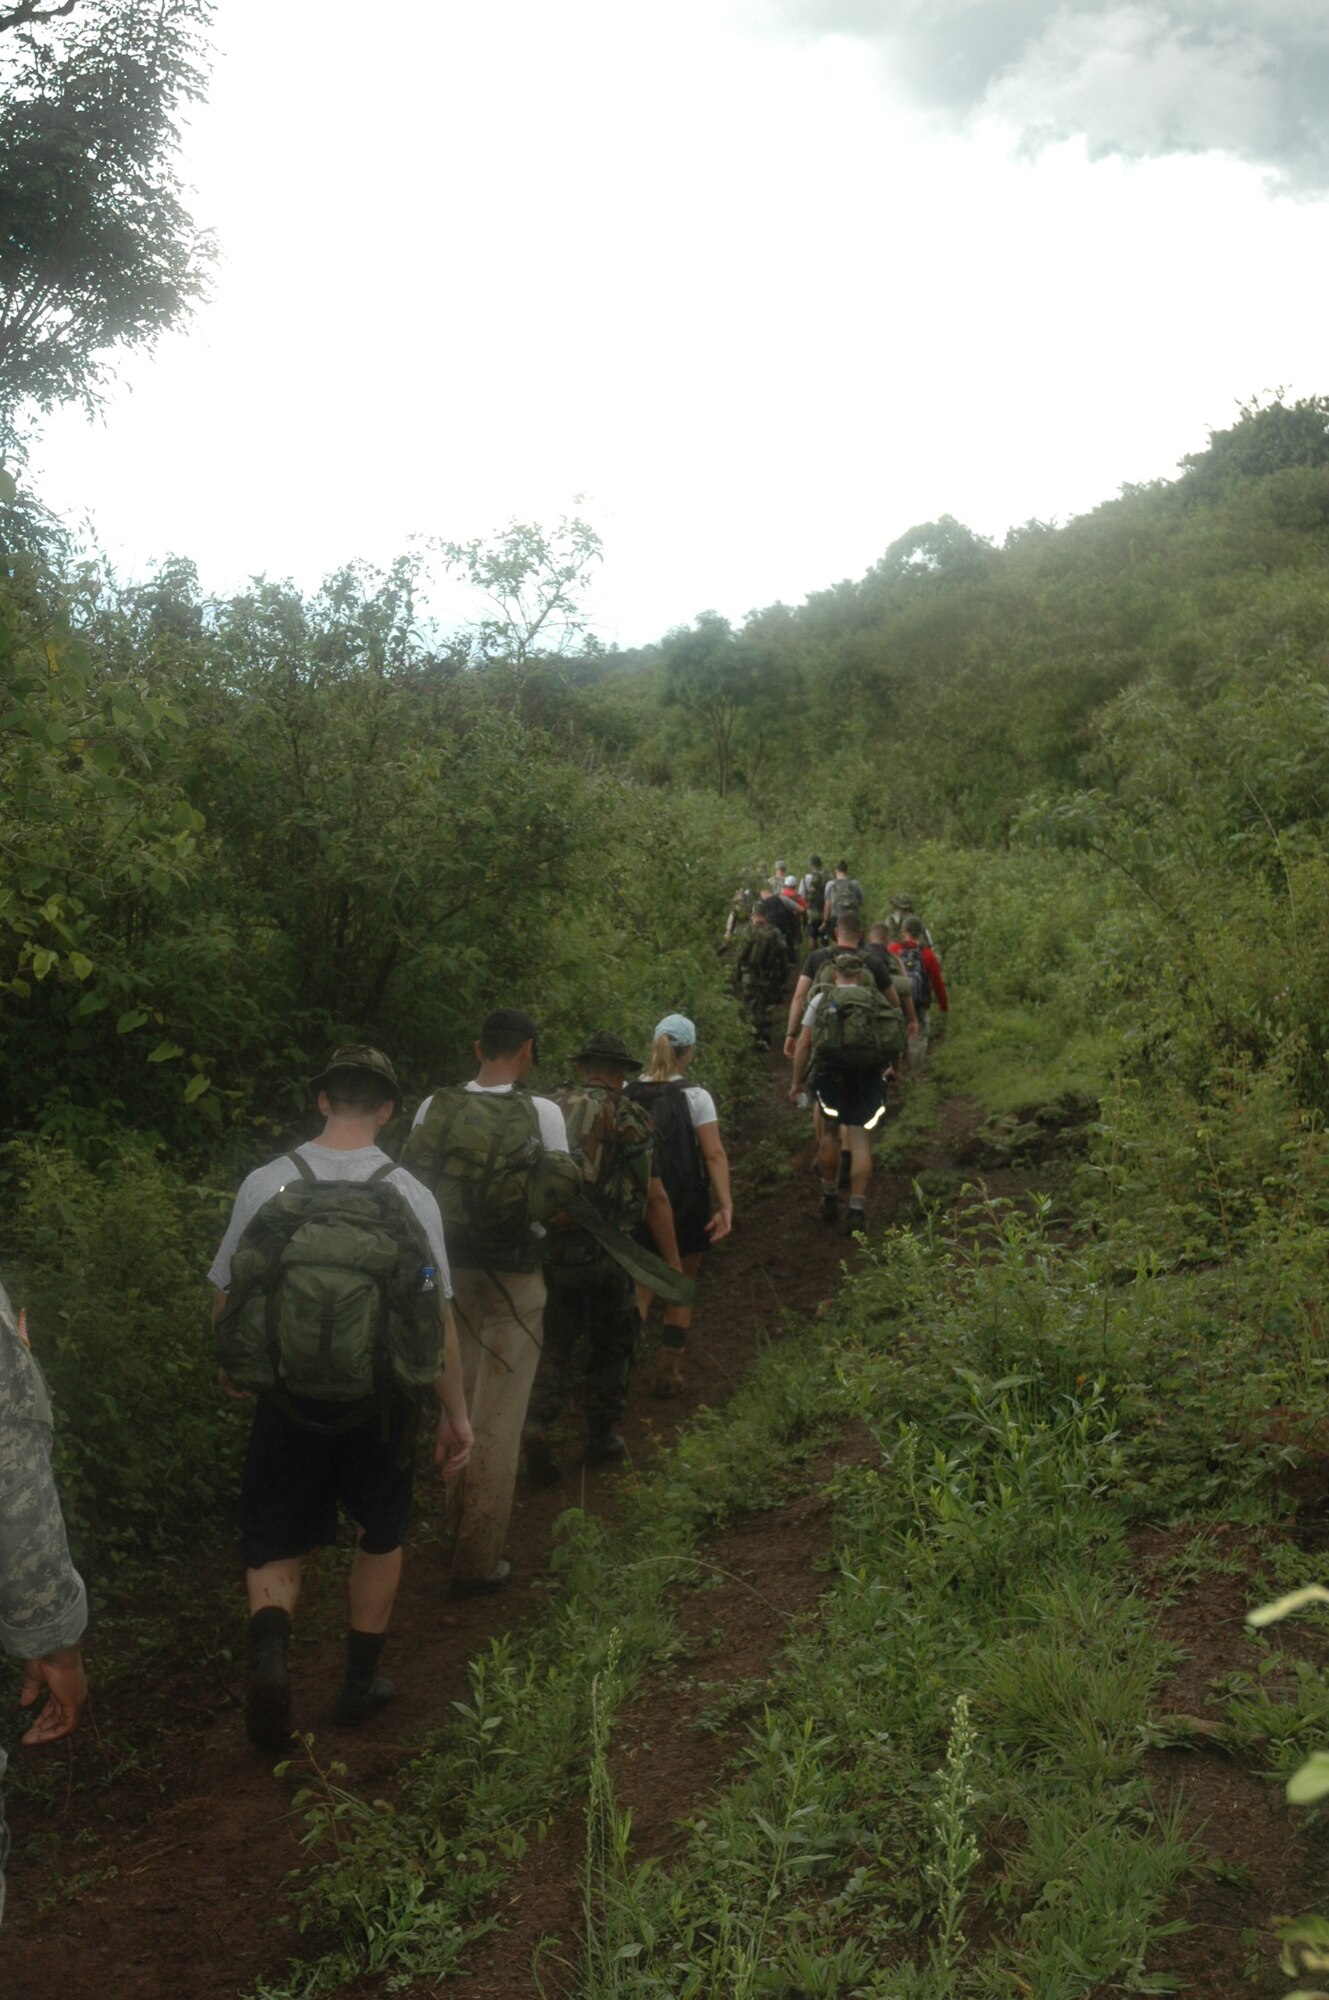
column 802, row 1051
column 452, row 1446
column 717, row 1170
column 796, row 1006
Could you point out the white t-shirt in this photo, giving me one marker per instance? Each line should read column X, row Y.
column 331, row 1163
column 553, row 1132
column 701, row 1105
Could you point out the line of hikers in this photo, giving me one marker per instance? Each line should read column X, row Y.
column 860, row 1011
column 504, row 1264
column 515, row 1231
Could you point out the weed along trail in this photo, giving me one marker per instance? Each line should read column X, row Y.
column 180, row 1858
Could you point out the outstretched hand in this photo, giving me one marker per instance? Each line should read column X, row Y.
column 60, row 1676
column 720, row 1224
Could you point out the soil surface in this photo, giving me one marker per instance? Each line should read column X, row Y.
column 175, row 1844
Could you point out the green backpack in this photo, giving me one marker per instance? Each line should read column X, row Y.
column 856, row 1028
column 326, row 1296
column 480, row 1153
column 610, row 1137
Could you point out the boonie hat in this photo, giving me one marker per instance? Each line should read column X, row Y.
column 902, row 903
column 602, row 1047
column 358, row 1056
column 681, row 1032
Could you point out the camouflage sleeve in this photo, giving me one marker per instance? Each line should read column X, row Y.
column 42, row 1601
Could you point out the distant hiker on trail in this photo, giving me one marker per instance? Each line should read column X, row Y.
column 739, row 911
column 761, row 973
column 331, row 1292
column 43, row 1608
column 923, row 968
column 879, row 953
column 901, row 910
column 792, row 895
column 813, row 891
column 591, row 1261
column 691, row 1161
column 844, row 897
column 850, row 1033
column 848, row 937
column 497, row 1160
column 787, row 920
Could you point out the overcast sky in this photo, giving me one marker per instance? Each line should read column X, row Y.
column 768, row 281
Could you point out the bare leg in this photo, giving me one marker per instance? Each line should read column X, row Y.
column 276, row 1584
column 373, row 1590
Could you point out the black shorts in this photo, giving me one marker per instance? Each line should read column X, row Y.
column 854, row 1097
column 295, row 1479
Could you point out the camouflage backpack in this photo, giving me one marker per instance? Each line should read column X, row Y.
column 326, row 1296
column 610, row 1137
column 856, row 1028
column 480, row 1153
column 763, row 962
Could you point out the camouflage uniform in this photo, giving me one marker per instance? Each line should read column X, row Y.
column 42, row 1602
column 761, row 974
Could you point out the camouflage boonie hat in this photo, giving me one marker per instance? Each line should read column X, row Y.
column 611, row 1050
column 848, row 961
column 903, row 903
column 358, row 1056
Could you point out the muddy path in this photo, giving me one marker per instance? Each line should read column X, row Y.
column 163, row 1869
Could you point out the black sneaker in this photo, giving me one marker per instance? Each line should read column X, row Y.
column 359, row 1700
column 830, row 1208
column 856, row 1220
column 268, row 1702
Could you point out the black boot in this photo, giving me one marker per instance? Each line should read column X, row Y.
column 268, row 1696
column 362, row 1693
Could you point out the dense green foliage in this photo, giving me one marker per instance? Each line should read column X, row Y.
column 1098, row 758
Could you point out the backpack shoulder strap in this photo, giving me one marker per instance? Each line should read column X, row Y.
column 381, row 1173
column 303, row 1168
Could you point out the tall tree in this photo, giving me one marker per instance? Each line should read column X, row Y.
column 97, row 250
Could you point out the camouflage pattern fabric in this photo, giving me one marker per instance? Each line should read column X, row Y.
column 42, row 1601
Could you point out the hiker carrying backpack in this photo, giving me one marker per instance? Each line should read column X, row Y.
column 855, row 1028
column 910, row 955
column 333, row 1296
column 482, row 1156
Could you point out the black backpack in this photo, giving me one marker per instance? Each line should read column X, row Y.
column 678, row 1158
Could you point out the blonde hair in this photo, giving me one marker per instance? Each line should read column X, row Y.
column 664, row 1060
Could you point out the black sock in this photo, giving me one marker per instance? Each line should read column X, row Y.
column 269, row 1627
column 362, row 1655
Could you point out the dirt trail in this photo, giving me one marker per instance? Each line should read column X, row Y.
column 174, row 1871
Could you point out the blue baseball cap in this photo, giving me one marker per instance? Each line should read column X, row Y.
column 681, row 1032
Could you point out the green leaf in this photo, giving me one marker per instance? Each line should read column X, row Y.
column 79, row 965
column 1311, row 1782
column 195, row 1088
column 21, row 988
column 43, row 960
column 133, row 1019
column 166, row 1052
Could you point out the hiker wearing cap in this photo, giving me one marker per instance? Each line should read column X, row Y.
column 691, row 1161
column 850, row 1032
column 497, row 1160
column 331, row 1306
column 591, row 1259
column 901, row 910
column 761, row 972
column 812, row 889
